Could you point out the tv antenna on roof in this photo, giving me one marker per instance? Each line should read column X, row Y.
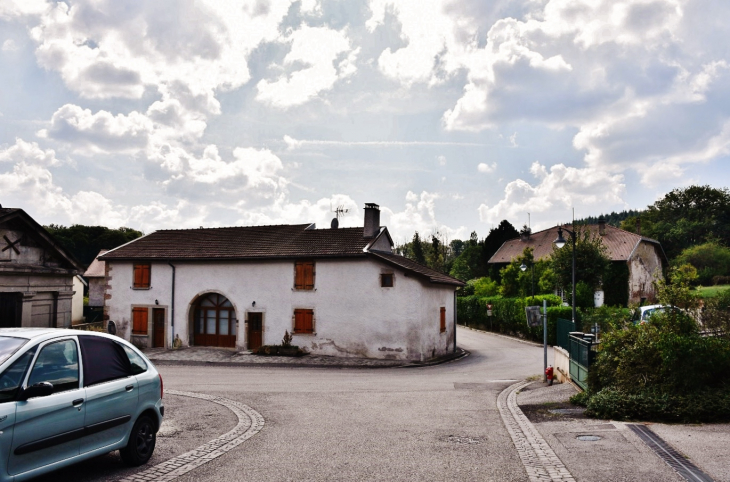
column 340, row 211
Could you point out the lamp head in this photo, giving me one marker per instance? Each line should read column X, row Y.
column 560, row 242
column 523, row 267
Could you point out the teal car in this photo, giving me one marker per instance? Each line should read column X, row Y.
column 69, row 395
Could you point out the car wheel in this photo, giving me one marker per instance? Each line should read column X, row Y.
column 141, row 443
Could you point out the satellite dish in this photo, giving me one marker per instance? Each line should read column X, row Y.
column 111, row 327
column 335, row 223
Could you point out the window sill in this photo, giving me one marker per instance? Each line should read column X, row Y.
column 314, row 333
column 134, row 333
column 141, row 288
column 305, row 290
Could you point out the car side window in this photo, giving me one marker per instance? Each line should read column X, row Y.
column 12, row 377
column 57, row 363
column 138, row 364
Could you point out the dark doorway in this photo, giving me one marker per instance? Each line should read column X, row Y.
column 255, row 330
column 11, row 306
column 158, row 333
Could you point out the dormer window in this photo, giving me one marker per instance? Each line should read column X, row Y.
column 304, row 275
column 141, row 275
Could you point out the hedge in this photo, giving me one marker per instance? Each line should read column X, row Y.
column 508, row 315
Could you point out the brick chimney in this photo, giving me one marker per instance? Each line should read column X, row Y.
column 602, row 225
column 372, row 220
column 638, row 226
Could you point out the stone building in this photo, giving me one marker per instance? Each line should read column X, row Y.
column 36, row 274
column 340, row 292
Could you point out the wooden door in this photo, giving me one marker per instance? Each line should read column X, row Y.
column 255, row 331
column 158, row 330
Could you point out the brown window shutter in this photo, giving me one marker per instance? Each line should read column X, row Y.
column 308, row 321
column 299, row 275
column 139, row 321
column 443, row 319
column 303, row 321
column 141, row 275
column 146, row 275
column 309, row 275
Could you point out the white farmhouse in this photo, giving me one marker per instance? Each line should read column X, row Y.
column 340, row 292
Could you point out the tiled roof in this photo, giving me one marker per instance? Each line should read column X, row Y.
column 251, row 242
column 619, row 244
column 413, row 267
column 97, row 268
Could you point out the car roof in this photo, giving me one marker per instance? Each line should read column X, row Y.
column 651, row 307
column 45, row 333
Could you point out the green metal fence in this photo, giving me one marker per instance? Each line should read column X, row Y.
column 564, row 327
column 582, row 349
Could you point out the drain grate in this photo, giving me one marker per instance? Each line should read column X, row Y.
column 686, row 469
column 588, row 438
column 464, row 440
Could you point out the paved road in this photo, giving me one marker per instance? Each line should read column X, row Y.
column 437, row 423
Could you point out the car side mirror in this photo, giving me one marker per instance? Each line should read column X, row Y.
column 42, row 389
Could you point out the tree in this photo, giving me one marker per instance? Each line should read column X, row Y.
column 417, row 249
column 710, row 259
column 85, row 242
column 591, row 260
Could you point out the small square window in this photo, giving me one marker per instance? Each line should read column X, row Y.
column 386, row 280
column 303, row 321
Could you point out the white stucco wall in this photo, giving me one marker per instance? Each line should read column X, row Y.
column 77, row 302
column 353, row 315
column 645, row 267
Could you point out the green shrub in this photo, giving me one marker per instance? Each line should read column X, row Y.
column 704, row 406
column 580, row 399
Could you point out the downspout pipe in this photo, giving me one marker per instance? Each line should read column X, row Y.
column 454, row 321
column 172, row 308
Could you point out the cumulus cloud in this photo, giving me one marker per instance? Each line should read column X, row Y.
column 419, row 215
column 554, row 193
column 487, row 168
column 29, row 153
column 312, row 57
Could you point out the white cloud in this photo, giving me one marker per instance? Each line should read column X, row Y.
column 15, row 8
column 419, row 215
column 487, row 168
column 315, row 50
column 9, row 45
column 442, row 160
column 29, row 153
column 556, row 191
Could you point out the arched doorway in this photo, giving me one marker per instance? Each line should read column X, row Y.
column 214, row 321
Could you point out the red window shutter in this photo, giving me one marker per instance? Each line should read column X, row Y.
column 308, row 321
column 303, row 321
column 141, row 275
column 309, row 275
column 443, row 319
column 139, row 321
column 299, row 275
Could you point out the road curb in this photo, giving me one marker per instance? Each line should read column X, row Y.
column 520, row 340
column 250, row 422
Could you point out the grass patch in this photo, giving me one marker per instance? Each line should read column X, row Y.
column 705, row 292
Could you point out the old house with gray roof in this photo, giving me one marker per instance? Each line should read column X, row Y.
column 37, row 275
column 640, row 259
column 339, row 292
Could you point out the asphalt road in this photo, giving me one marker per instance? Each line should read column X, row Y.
column 435, row 423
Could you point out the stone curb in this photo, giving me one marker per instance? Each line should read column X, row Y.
column 538, row 458
column 461, row 353
column 250, row 422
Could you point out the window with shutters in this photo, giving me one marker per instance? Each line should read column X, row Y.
column 303, row 321
column 139, row 321
column 141, row 275
column 304, row 275
column 443, row 319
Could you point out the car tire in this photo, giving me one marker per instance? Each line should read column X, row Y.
column 141, row 443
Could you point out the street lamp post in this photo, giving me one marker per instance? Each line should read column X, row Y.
column 559, row 243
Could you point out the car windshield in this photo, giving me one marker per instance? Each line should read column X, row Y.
column 9, row 345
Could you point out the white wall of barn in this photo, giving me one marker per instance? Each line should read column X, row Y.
column 353, row 315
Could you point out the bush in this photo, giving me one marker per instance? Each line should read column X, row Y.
column 710, row 259
column 704, row 406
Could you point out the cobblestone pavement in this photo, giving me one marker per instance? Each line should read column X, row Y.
column 539, row 460
column 250, row 422
column 231, row 357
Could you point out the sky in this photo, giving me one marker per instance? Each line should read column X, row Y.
column 451, row 115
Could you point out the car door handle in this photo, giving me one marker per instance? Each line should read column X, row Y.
column 129, row 388
column 77, row 402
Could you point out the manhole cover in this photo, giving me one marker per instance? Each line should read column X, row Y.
column 463, row 440
column 588, row 438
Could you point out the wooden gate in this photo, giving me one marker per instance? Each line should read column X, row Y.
column 215, row 322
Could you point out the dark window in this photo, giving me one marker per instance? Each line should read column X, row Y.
column 57, row 363
column 386, row 280
column 304, row 275
column 12, row 378
column 104, row 360
column 303, row 321
column 142, row 275
column 139, row 321
column 137, row 362
column 443, row 319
